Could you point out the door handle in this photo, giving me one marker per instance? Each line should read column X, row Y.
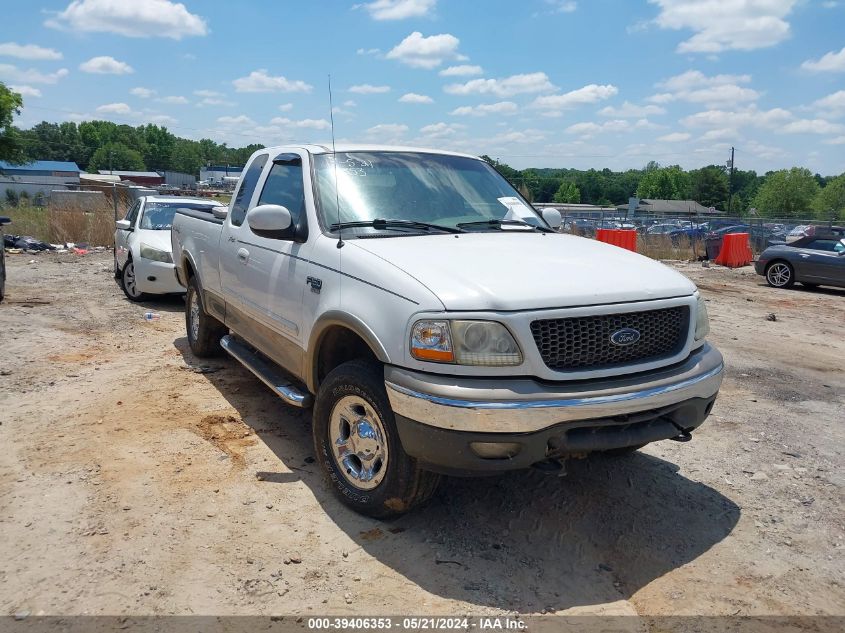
column 243, row 255
column 804, row 255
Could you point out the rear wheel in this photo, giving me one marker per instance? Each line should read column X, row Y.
column 780, row 275
column 204, row 331
column 358, row 446
column 129, row 282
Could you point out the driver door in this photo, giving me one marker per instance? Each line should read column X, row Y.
column 121, row 236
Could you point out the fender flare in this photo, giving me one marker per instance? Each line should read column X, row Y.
column 348, row 321
column 180, row 269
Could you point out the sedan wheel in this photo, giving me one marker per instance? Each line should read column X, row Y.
column 780, row 275
column 128, row 282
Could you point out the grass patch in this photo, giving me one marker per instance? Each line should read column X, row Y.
column 92, row 226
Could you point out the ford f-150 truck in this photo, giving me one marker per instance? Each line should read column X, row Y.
column 436, row 322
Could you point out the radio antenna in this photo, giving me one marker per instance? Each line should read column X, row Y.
column 334, row 162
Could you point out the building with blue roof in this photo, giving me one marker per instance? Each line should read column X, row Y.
column 38, row 178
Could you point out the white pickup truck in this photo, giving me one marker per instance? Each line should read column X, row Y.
column 436, row 322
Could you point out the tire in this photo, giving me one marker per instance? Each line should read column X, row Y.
column 780, row 274
column 350, row 397
column 127, row 282
column 625, row 450
column 204, row 331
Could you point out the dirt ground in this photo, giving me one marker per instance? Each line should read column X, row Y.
column 135, row 479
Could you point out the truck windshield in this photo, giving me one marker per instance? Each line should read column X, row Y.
column 447, row 191
column 158, row 216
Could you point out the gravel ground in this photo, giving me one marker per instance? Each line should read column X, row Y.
column 135, row 479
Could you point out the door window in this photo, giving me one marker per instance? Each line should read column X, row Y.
column 823, row 245
column 284, row 186
column 246, row 189
column 132, row 214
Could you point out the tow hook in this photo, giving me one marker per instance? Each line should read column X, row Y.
column 550, row 466
column 684, row 436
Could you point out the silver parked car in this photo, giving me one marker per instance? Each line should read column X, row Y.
column 815, row 260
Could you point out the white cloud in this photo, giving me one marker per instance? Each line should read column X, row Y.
column 388, row 130
column 831, row 62
column 26, row 91
column 175, row 100
column 397, row 9
column 143, row 93
column 114, row 108
column 441, row 130
column 461, row 70
column 368, row 89
column 629, row 110
column 419, row 51
column 588, row 129
column 368, row 51
column 675, row 137
column 502, row 107
column 135, row 18
column 722, row 25
column 158, row 119
column 812, row 126
column 558, row 6
column 260, row 81
column 286, row 107
column 413, row 97
column 8, row 72
column 307, row 124
column 106, row 65
column 506, row 87
column 210, row 94
column 693, row 86
column 747, row 117
column 721, row 134
column 349, row 103
column 517, row 136
column 592, row 93
column 215, row 102
column 233, row 121
column 28, row 51
column 833, row 105
column 839, row 140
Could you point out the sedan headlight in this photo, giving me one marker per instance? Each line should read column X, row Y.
column 484, row 343
column 148, row 252
column 702, row 321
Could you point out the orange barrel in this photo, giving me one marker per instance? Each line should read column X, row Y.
column 736, row 251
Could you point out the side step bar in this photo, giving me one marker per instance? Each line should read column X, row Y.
column 267, row 372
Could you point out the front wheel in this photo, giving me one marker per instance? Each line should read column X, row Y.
column 780, row 275
column 358, row 446
column 204, row 331
column 129, row 282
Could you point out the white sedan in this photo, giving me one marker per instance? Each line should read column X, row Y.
column 143, row 260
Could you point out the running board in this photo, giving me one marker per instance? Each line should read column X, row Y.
column 267, row 372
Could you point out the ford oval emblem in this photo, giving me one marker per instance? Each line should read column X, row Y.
column 625, row 336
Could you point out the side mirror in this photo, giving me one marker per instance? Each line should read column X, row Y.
column 552, row 217
column 220, row 212
column 123, row 225
column 269, row 220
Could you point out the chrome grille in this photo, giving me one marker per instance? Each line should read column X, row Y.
column 583, row 343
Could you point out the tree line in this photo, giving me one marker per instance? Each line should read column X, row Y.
column 96, row 145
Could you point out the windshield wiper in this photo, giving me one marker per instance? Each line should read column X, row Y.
column 498, row 224
column 380, row 223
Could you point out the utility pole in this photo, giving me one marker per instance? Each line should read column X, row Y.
column 731, row 183
column 111, row 154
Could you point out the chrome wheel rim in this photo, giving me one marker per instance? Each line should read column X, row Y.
column 359, row 442
column 129, row 280
column 195, row 316
column 779, row 274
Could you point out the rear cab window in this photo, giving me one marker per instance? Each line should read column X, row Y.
column 246, row 188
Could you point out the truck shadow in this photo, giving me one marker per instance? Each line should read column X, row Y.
column 522, row 541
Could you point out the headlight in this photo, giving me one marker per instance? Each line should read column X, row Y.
column 702, row 321
column 484, row 343
column 148, row 252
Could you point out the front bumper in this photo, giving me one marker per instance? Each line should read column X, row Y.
column 449, row 424
column 157, row 278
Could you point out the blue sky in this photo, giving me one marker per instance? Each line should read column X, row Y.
column 546, row 83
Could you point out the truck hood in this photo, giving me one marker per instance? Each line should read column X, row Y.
column 525, row 271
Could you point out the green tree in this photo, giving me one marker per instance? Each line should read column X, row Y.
column 829, row 203
column 788, row 193
column 186, row 157
column 664, row 183
column 710, row 186
column 116, row 156
column 568, row 192
column 159, row 147
column 11, row 148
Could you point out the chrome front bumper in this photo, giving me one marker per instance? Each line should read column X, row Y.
column 523, row 405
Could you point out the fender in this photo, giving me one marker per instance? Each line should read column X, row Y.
column 180, row 269
column 349, row 321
